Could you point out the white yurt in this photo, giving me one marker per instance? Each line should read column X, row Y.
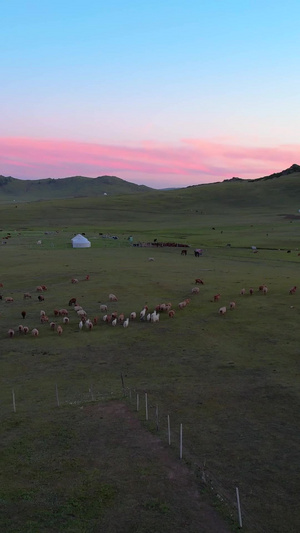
column 79, row 241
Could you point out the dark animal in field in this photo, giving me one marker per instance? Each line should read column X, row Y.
column 183, row 252
column 72, row 301
column 27, row 295
column 293, row 290
column 23, row 313
column 217, row 297
column 198, row 280
column 41, row 298
column 251, row 291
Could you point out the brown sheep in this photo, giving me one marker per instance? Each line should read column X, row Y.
column 26, row 295
column 59, row 330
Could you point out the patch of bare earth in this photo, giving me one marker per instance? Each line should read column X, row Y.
column 155, row 492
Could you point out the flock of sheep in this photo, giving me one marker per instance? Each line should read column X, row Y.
column 113, row 318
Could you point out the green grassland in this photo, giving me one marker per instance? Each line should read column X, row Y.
column 232, row 380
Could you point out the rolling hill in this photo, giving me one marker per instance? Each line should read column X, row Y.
column 278, row 192
column 72, row 187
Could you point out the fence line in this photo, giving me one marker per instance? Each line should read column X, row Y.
column 231, row 500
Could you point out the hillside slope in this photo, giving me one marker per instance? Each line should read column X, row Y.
column 77, row 186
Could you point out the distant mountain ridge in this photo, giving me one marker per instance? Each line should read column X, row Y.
column 291, row 170
column 13, row 189
column 70, row 187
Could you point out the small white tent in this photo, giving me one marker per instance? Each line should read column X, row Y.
column 79, row 241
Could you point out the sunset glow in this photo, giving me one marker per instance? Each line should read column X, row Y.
column 160, row 94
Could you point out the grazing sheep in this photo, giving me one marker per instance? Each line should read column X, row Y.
column 63, row 312
column 217, row 297
column 80, row 325
column 112, row 298
column 23, row 313
column 251, row 291
column 52, row 325
column 26, row 330
column 95, row 320
column 35, row 332
column 21, row 329
column 74, row 280
column 181, row 305
column 89, row 324
column 132, row 315
column 44, row 288
column 171, row 313
column 222, row 310
column 114, row 322
column 260, row 288
column 104, row 318
column 148, row 317
column 9, row 299
column 11, row 332
column 150, row 258
column 232, row 305
column 198, row 280
column 114, row 315
column 26, row 295
column 41, row 298
column 72, row 301
column 77, row 307
column 81, row 313
column 293, row 290
column 121, row 317
column 242, row 292
column 59, row 330
column 195, row 290
column 39, row 288
column 66, row 320
column 42, row 313
column 44, row 319
column 56, row 312
column 143, row 312
column 265, row 290
column 103, row 308
column 183, row 252
column 87, row 277
column 125, row 323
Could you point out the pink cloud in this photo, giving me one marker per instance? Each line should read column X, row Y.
column 190, row 161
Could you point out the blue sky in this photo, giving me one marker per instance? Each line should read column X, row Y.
column 165, row 94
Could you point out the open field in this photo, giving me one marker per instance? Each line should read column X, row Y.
column 232, row 380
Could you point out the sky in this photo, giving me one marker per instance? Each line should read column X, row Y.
column 164, row 93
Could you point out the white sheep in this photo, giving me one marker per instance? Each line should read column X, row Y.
column 125, row 323
column 114, row 322
column 112, row 298
column 195, row 290
column 232, row 305
column 35, row 332
column 132, row 315
column 11, row 332
column 103, row 308
column 150, row 258
column 66, row 320
column 80, row 325
column 222, row 310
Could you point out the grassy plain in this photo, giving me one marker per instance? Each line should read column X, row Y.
column 232, row 381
